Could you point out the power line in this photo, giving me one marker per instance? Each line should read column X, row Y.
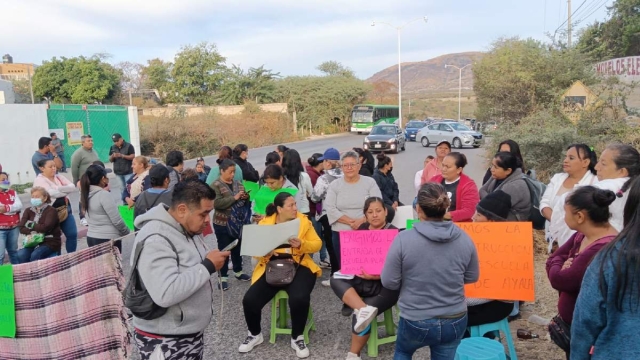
column 573, row 13
column 595, row 10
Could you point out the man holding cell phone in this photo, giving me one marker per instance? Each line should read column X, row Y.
column 176, row 267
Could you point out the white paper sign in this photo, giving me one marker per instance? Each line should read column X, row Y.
column 260, row 240
column 403, row 213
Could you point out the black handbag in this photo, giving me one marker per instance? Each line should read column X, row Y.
column 136, row 296
column 560, row 333
column 281, row 270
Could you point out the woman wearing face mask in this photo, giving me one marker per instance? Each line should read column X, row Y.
column 461, row 189
column 260, row 293
column 40, row 218
column 365, row 292
column 159, row 192
column 388, row 185
column 137, row 183
column 59, row 188
column 579, row 170
column 229, row 193
column 506, row 175
column 105, row 222
column 619, row 165
column 10, row 207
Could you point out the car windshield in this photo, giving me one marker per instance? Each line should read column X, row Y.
column 383, row 130
column 362, row 116
column 415, row 125
column 458, row 127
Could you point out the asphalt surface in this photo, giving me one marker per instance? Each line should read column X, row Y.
column 331, row 340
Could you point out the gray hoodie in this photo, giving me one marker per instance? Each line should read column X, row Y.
column 103, row 215
column 187, row 290
column 430, row 264
column 322, row 186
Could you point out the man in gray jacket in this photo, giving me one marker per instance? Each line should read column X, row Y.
column 179, row 280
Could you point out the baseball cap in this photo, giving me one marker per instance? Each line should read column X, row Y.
column 330, row 154
column 444, row 142
column 200, row 159
column 100, row 163
column 115, row 137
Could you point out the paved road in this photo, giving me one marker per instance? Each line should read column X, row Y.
column 332, row 338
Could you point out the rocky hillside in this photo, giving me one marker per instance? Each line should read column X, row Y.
column 431, row 75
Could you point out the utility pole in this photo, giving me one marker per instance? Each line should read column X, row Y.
column 569, row 24
column 30, row 84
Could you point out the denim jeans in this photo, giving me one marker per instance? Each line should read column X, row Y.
column 224, row 239
column 442, row 336
column 70, row 231
column 123, row 181
column 39, row 252
column 9, row 241
column 318, row 227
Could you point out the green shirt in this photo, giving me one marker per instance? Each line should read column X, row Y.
column 80, row 161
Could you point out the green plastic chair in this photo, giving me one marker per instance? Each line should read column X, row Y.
column 280, row 318
column 374, row 341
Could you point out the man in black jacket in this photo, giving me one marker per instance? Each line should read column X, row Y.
column 121, row 155
column 240, row 155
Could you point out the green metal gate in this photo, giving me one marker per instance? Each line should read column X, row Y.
column 100, row 121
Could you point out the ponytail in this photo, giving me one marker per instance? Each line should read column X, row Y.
column 279, row 201
column 93, row 176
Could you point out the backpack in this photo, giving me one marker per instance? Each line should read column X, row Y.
column 239, row 216
column 136, row 296
column 536, row 190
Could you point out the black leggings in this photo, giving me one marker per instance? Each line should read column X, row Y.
column 327, row 236
column 488, row 313
column 299, row 291
column 91, row 241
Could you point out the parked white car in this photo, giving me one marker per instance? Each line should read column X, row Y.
column 456, row 134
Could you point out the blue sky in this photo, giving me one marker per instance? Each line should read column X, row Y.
column 289, row 36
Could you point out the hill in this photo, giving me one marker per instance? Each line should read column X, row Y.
column 431, row 75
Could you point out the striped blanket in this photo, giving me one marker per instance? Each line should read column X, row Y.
column 70, row 307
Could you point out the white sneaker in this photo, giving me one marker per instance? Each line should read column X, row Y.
column 352, row 356
column 364, row 317
column 84, row 222
column 299, row 346
column 230, row 267
column 326, row 283
column 250, row 342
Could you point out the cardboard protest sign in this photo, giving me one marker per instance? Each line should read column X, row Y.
column 7, row 302
column 265, row 196
column 505, row 254
column 364, row 250
column 127, row 215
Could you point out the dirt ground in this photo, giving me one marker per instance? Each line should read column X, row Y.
column 545, row 306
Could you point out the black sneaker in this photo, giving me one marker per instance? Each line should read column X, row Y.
column 346, row 310
column 224, row 286
column 243, row 277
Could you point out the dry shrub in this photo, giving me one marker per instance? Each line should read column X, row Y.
column 540, row 245
column 203, row 135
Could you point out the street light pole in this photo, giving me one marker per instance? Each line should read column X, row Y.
column 399, row 30
column 459, row 84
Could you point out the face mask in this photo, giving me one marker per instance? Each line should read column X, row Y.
column 5, row 185
column 36, row 202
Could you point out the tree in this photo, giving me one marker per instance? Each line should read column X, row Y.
column 197, row 73
column 518, row 77
column 21, row 89
column 156, row 75
column 619, row 36
column 131, row 75
column 79, row 80
column 239, row 86
column 334, row 68
column 383, row 90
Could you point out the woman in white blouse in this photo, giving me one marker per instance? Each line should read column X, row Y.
column 579, row 170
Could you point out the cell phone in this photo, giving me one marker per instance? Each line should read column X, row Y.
column 231, row 246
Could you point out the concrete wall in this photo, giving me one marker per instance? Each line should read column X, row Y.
column 134, row 130
column 7, row 95
column 222, row 110
column 22, row 126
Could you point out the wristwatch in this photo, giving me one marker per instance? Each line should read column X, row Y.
column 55, row 156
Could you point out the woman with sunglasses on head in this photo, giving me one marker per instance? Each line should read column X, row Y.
column 364, row 293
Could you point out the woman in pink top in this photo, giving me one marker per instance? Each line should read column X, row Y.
column 59, row 187
column 433, row 167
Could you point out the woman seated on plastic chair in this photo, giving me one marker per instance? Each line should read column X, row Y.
column 261, row 293
column 365, row 292
column 42, row 219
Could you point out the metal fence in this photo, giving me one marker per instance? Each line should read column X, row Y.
column 101, row 121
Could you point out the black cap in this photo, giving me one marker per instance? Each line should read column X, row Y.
column 115, row 137
column 495, row 206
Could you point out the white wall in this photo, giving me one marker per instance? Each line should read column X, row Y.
column 22, row 126
column 134, row 130
column 7, row 96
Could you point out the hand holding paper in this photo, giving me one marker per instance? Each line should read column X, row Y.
column 260, row 240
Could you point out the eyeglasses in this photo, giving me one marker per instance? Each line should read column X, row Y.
column 350, row 166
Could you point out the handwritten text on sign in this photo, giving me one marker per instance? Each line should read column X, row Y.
column 505, row 253
column 364, row 250
column 7, row 303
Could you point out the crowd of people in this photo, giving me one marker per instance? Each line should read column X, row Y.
column 592, row 229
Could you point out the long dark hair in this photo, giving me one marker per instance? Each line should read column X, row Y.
column 586, row 152
column 272, row 158
column 594, row 201
column 313, row 160
column 507, row 160
column 224, row 153
column 383, row 160
column 626, row 248
column 514, row 149
column 93, row 176
column 277, row 202
column 627, row 158
column 292, row 166
column 368, row 159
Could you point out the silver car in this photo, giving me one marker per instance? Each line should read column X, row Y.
column 456, row 134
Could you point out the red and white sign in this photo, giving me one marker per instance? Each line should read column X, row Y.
column 627, row 69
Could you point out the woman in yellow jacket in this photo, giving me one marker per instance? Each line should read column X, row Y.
column 260, row 293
